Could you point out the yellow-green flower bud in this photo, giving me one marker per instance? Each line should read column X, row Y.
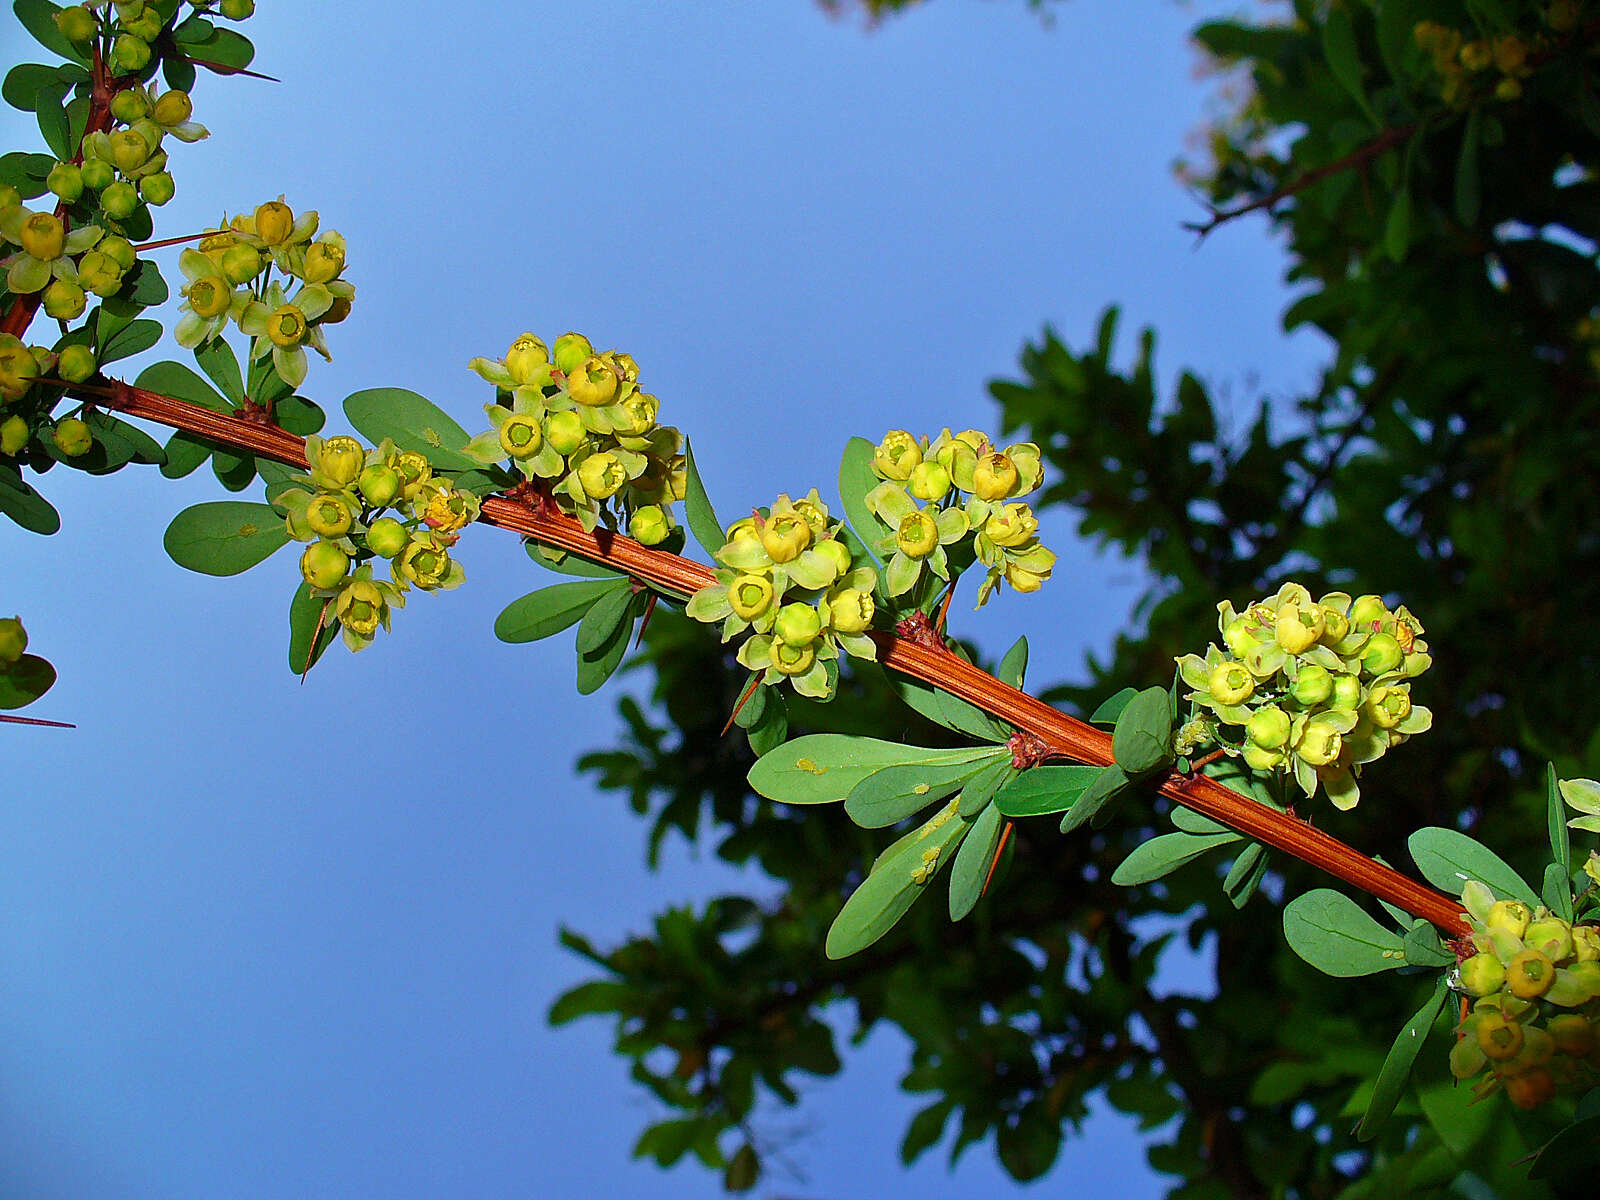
column 361, row 607
column 1319, row 743
column 9, row 196
column 1572, row 1034
column 570, row 352
column 929, row 481
column 76, row 363
column 207, row 296
column 77, row 24
column 130, row 54
column 66, row 181
column 386, row 536
column 1367, row 613
column 602, row 475
column 1529, row 975
column 520, row 436
column 425, row 561
column 1237, row 636
column 13, row 436
column 324, row 260
column 1509, row 916
column 897, row 455
column 642, row 409
column 793, row 660
column 379, row 485
column 1388, row 706
column 837, row 554
column 851, row 611
column 119, row 200
column 918, row 535
column 1586, row 976
column 18, row 368
column 528, row 360
column 158, row 188
column 649, row 525
column 1312, row 685
column 749, row 595
column 1298, row 627
column 413, row 467
column 1346, row 695
column 1551, row 937
column 1011, row 526
column 241, row 263
column 130, row 105
column 1268, row 727
column 237, row 10
column 323, row 565
column 119, row 250
column 593, row 383
column 1259, row 758
column 96, row 174
column 1230, row 683
column 328, row 515
column 1482, row 975
column 145, row 24
column 1382, row 653
column 64, row 301
column 129, row 150
column 797, row 624
column 287, row 326
column 1498, row 1038
column 274, row 222
column 785, row 536
column 564, row 431
column 1335, row 625
column 1586, row 943
column 43, row 236
column 72, row 437
column 172, row 108
column 1024, row 580
column 13, row 640
column 960, row 459
column 994, row 477
column 340, row 460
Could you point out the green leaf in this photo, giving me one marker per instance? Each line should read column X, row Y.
column 1468, row 190
column 1557, row 890
column 822, row 768
column 587, row 999
column 697, row 510
column 1568, row 1159
column 1244, row 877
column 1013, row 667
column 549, row 610
column 38, row 17
column 131, row 339
column 971, row 868
column 1042, row 790
column 1396, row 1069
column 1423, row 947
column 926, row 1128
column 1448, row 858
column 1111, row 708
column 895, row 793
column 24, row 505
column 178, row 381
column 983, row 786
column 25, row 172
column 1106, row 787
column 305, row 613
column 1343, row 55
column 598, row 666
column 52, row 118
column 1397, row 229
column 744, row 1169
column 856, row 479
column 563, row 562
column 23, row 80
column 1337, row 937
column 217, row 360
column 144, row 285
column 893, row 884
column 224, row 537
column 1164, row 854
column 604, row 615
column 25, row 680
column 413, row 421
column 222, row 48
column 1142, row 740
column 299, row 415
column 1556, row 817
column 952, row 712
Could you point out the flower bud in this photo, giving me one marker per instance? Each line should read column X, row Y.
column 564, row 431
column 642, row 409
column 1298, row 626
column 119, row 200
column 64, row 301
column 76, row 363
column 13, row 436
column 274, row 222
column 172, row 107
column 237, row 10
column 593, row 383
column 77, row 24
column 1230, row 684
column 1346, row 695
column 1551, row 937
column 323, row 565
column 130, row 54
column 1529, row 975
column 412, row 467
column 96, row 174
column 750, row 595
column 1382, row 654
column 9, row 196
column 43, row 236
column 73, row 438
column 602, row 475
column 339, row 462
column 792, row 660
column 1482, row 975
column 425, row 561
column 918, row 535
column 897, row 455
column 1509, row 916
column 1268, row 727
column 797, row 624
column 1586, row 943
column 528, row 361
column 1367, row 614
column 66, row 181
column 1497, row 1037
column 1312, row 685
column 1319, row 744
column 1530, row 1089
column 929, row 481
column 328, row 515
column 1335, row 625
column 649, row 526
column 851, row 611
column 13, row 640
column 570, row 352
column 379, row 485
column 836, row 553
column 1388, row 706
column 323, row 261
column 1237, row 636
column 520, row 436
column 386, row 536
column 119, row 250
column 130, row 105
column 994, row 477
column 1572, row 1034
column 129, row 151
column 785, row 536
column 18, row 368
column 361, row 607
column 1013, row 525
column 241, row 263
column 960, row 459
column 1259, row 758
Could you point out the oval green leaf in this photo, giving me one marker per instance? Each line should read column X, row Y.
column 25, row 681
column 893, row 885
column 894, row 793
column 697, row 510
column 1165, row 854
column 224, row 537
column 549, row 610
column 971, row 868
column 1044, row 790
column 413, row 421
column 1338, row 937
column 1448, row 858
column 1396, row 1070
column 822, row 768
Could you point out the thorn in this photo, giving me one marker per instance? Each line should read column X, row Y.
column 35, row 721
column 224, row 69
column 944, row 610
column 750, row 690
column 1005, row 836
column 644, row 621
column 316, row 633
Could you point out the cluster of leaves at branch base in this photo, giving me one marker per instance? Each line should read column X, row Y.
column 963, row 483
column 575, row 422
column 1535, row 984
column 230, row 279
column 1472, row 63
column 1315, row 687
column 23, row 677
column 340, row 509
column 790, row 579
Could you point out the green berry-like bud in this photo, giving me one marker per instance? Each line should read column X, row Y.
column 1312, row 685
column 1585, row 943
column 520, row 436
column 1259, row 758
column 64, row 301
column 797, row 624
column 1509, row 916
column 120, row 200
column 837, row 554
column 1529, row 975
column 1268, row 727
column 1319, row 744
column 570, row 352
column 602, row 475
column 1346, row 695
column 793, row 660
column 564, row 431
column 378, row 485
column 237, row 10
column 1298, row 626
column 241, row 263
column 13, row 640
column 43, row 236
column 785, row 536
column 77, row 24
column 1230, row 684
column 323, row 565
column 649, row 526
column 1498, row 1038
column 1382, row 654
column 641, row 409
column 73, row 438
column 995, row 476
column 593, row 383
column 1335, row 625
column 851, row 611
column 528, row 361
column 76, row 363
column 323, row 261
column 119, row 250
column 1572, row 1034
column 18, row 367
column 130, row 105
column 386, row 536
column 1551, row 937
column 339, row 462
column 157, row 189
column 329, row 515
column 1237, row 636
column 1388, row 706
column 274, row 222
column 14, row 436
column 146, row 26
column 750, row 595
column 929, row 481
column 1482, row 975
column 1367, row 613
column 960, row 459
column 66, row 181
column 96, row 173
column 172, row 108
column 129, row 150
column 918, row 535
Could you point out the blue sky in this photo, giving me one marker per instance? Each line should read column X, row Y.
column 261, row 939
